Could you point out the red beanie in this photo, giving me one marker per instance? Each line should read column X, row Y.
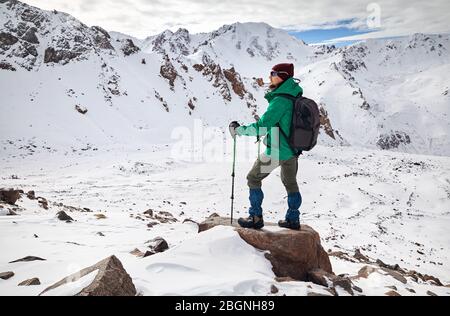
column 289, row 68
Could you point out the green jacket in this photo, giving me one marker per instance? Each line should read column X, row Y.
column 278, row 112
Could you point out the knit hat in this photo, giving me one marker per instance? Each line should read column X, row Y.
column 286, row 70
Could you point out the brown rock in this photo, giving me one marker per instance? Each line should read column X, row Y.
column 33, row 281
column 359, row 256
column 343, row 283
column 111, row 280
column 100, row 216
column 320, row 277
column 136, row 252
column 6, row 275
column 43, row 203
column 316, row 294
column 62, row 216
column 28, row 259
column 31, row 195
column 274, row 289
column 365, row 271
column 293, row 253
column 9, row 196
column 392, row 293
column 284, row 279
column 395, row 275
column 158, row 244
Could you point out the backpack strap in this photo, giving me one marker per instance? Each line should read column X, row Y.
column 297, row 153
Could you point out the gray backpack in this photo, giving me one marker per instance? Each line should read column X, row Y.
column 305, row 124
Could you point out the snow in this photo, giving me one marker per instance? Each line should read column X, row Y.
column 72, row 288
column 375, row 213
column 216, row 262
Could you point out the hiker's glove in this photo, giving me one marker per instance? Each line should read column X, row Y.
column 233, row 126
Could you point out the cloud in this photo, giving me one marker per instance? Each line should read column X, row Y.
column 142, row 18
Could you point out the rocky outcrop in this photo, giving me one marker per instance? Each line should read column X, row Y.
column 168, row 71
column 128, row 47
column 213, row 73
column 393, row 140
column 236, row 82
column 111, row 280
column 293, row 253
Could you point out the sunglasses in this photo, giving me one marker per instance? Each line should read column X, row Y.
column 275, row 73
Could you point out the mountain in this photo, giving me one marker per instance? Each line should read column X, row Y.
column 387, row 94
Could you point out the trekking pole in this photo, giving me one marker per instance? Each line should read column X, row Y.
column 257, row 136
column 232, row 178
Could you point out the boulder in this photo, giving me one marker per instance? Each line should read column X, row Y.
column 158, row 244
column 293, row 253
column 62, row 216
column 6, row 275
column 33, row 281
column 9, row 196
column 111, row 280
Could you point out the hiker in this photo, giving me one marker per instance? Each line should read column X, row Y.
column 280, row 153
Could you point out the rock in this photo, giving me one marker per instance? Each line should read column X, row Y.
column 274, row 289
column 128, row 47
column 365, row 271
column 316, row 294
column 411, row 290
column 30, row 36
column 284, row 279
column 28, row 259
column 149, row 253
column 9, row 196
column 81, row 109
column 33, row 281
column 6, row 275
column 62, row 216
column 151, row 224
column 395, row 275
column 320, row 277
column 7, row 39
column 52, row 55
column 392, row 287
column 431, row 293
column 11, row 213
column 158, row 244
column 149, row 212
column 111, row 280
column 31, row 195
column 100, row 216
column 43, row 203
column 392, row 293
column 344, row 283
column 359, row 256
column 189, row 220
column 101, row 234
column 136, row 252
column 293, row 253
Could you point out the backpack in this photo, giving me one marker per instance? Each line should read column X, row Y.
column 305, row 124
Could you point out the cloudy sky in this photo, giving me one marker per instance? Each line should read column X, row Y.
column 315, row 21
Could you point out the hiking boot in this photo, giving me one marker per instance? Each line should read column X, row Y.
column 255, row 222
column 289, row 224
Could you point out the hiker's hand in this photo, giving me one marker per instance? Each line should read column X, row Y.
column 233, row 126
